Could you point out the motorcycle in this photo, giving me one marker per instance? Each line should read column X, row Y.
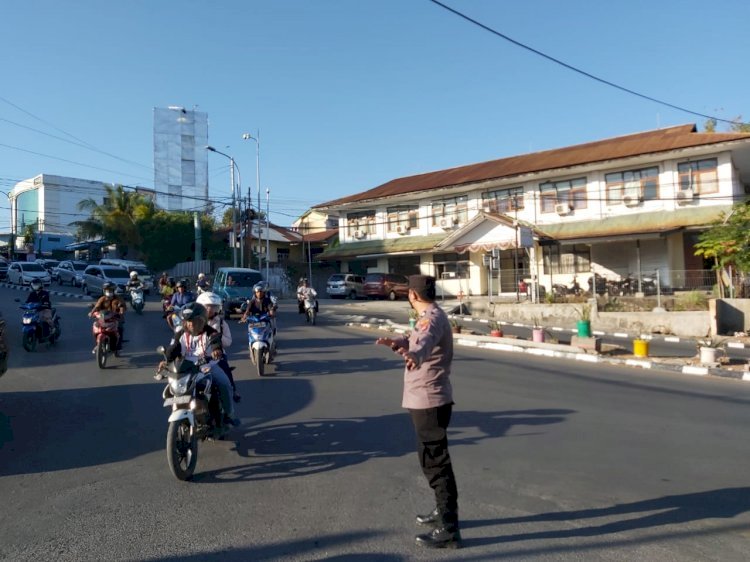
column 261, row 341
column 311, row 309
column 196, row 412
column 107, row 335
column 136, row 300
column 36, row 330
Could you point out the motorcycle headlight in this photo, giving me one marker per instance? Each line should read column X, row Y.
column 27, row 319
column 179, row 386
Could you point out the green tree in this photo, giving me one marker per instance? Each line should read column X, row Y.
column 116, row 218
column 727, row 242
column 738, row 126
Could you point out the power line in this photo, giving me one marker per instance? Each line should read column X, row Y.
column 81, row 144
column 578, row 70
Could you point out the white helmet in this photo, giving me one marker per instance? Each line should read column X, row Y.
column 133, row 274
column 209, row 299
column 201, row 276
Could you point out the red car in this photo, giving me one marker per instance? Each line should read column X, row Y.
column 386, row 285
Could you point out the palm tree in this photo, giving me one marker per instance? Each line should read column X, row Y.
column 116, row 217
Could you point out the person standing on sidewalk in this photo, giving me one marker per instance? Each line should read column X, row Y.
column 428, row 396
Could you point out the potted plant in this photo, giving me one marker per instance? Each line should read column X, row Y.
column 584, row 323
column 537, row 332
column 495, row 330
column 455, row 326
column 708, row 348
column 413, row 315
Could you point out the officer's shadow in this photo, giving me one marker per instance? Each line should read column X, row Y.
column 319, row 445
column 724, row 503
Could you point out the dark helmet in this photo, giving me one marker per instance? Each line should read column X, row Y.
column 193, row 312
column 260, row 287
column 180, row 284
column 36, row 285
column 170, row 281
column 108, row 286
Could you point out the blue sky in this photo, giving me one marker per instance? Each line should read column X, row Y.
column 349, row 94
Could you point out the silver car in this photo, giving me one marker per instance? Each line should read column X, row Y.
column 94, row 276
column 69, row 273
column 345, row 285
column 23, row 272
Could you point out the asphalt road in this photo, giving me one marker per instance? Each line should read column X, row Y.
column 555, row 460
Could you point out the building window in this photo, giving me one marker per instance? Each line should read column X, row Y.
column 700, row 176
column 360, row 223
column 406, row 217
column 574, row 259
column 570, row 192
column 503, row 200
column 642, row 185
column 282, row 255
column 451, row 266
column 452, row 211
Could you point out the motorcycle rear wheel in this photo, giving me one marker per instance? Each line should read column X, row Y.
column 29, row 341
column 182, row 450
column 101, row 354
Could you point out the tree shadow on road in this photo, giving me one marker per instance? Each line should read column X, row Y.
column 319, row 445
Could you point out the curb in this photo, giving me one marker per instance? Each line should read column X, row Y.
column 558, row 351
column 51, row 292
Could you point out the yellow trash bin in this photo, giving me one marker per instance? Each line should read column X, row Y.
column 640, row 348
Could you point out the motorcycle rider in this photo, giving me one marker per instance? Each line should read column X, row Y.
column 201, row 286
column 134, row 282
column 109, row 301
column 213, row 304
column 182, row 297
column 201, row 341
column 259, row 304
column 305, row 292
column 40, row 296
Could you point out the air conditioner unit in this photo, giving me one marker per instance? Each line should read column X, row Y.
column 562, row 208
column 631, row 200
column 359, row 234
column 402, row 229
column 684, row 196
column 445, row 223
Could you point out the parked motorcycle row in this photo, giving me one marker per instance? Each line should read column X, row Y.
column 624, row 286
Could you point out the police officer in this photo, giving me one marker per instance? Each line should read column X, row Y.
column 428, row 396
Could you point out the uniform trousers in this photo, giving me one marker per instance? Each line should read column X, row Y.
column 431, row 427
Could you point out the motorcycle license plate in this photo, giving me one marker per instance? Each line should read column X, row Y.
column 177, row 400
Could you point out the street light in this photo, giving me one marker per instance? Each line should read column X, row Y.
column 11, row 241
column 268, row 230
column 256, row 138
column 234, row 202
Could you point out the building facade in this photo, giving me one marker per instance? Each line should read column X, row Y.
column 180, row 159
column 49, row 204
column 600, row 212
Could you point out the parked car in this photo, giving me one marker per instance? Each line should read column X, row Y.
column 235, row 285
column 3, row 269
column 48, row 264
column 22, row 272
column 386, row 285
column 94, row 276
column 69, row 272
column 345, row 285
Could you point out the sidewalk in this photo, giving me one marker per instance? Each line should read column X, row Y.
column 685, row 366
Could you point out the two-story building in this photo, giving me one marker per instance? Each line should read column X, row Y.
column 625, row 207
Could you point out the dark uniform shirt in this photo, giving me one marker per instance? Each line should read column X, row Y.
column 258, row 307
column 428, row 385
column 41, row 297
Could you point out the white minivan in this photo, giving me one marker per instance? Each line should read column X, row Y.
column 144, row 274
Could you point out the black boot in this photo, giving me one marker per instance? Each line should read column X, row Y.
column 442, row 536
column 432, row 518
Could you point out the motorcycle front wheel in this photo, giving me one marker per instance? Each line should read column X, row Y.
column 182, row 449
column 29, row 341
column 101, row 354
column 311, row 315
column 260, row 362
